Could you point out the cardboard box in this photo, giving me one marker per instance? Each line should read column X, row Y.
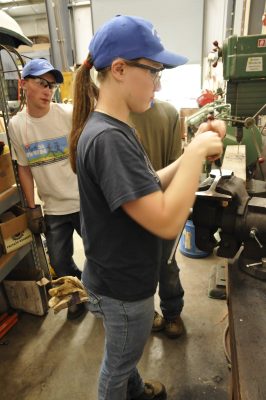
column 7, row 177
column 14, row 232
column 29, row 296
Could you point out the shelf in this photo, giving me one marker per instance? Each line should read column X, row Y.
column 9, row 198
column 9, row 261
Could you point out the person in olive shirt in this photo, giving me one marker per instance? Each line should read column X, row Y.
column 159, row 132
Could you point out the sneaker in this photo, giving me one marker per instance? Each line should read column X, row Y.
column 152, row 390
column 158, row 322
column 174, row 328
column 75, row 311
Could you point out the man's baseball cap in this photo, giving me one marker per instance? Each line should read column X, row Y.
column 130, row 38
column 40, row 66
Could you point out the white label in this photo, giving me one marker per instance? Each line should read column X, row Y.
column 17, row 241
column 254, row 64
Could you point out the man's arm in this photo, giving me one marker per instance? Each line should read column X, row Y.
column 27, row 184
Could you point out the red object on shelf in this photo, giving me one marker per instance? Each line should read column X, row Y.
column 3, row 316
column 7, row 322
column 264, row 19
column 206, row 97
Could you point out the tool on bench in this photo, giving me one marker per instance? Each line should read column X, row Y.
column 211, row 191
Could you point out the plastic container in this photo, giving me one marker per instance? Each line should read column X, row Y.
column 187, row 242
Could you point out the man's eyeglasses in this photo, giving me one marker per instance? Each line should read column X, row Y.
column 43, row 83
column 155, row 72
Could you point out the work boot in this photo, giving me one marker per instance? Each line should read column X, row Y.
column 153, row 390
column 75, row 311
column 158, row 322
column 174, row 328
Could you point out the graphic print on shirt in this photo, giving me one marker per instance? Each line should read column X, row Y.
column 47, row 151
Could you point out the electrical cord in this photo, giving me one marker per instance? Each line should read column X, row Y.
column 226, row 352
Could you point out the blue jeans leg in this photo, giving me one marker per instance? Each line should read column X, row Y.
column 59, row 240
column 127, row 328
column 171, row 292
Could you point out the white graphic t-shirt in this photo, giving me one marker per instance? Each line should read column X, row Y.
column 42, row 144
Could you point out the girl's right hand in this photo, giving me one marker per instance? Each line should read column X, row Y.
column 209, row 144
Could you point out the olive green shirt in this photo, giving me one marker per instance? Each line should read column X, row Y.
column 159, row 132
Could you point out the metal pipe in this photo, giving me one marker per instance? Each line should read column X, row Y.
column 79, row 4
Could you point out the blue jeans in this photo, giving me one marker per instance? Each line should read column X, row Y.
column 127, row 328
column 59, row 240
column 171, row 292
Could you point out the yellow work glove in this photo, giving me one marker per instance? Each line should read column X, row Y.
column 66, row 291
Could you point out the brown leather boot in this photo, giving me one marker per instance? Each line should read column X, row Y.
column 158, row 322
column 153, row 390
column 174, row 328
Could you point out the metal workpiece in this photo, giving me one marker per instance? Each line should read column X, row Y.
column 217, row 175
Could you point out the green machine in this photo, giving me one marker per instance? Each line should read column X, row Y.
column 244, row 70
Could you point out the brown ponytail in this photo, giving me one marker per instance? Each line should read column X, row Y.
column 85, row 97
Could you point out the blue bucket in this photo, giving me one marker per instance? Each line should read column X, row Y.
column 187, row 242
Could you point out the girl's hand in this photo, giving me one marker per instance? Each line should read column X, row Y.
column 214, row 125
column 209, row 144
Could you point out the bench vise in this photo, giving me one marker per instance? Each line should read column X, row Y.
column 230, row 216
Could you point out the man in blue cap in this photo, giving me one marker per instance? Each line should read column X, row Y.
column 39, row 135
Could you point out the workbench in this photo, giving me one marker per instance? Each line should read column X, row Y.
column 247, row 329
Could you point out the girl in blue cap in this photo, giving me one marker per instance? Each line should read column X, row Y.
column 125, row 205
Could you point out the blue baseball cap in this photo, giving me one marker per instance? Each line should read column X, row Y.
column 130, row 38
column 40, row 66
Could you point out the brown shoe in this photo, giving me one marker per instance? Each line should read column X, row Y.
column 158, row 322
column 174, row 328
column 153, row 390
column 75, row 311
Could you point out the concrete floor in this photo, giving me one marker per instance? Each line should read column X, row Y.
column 50, row 358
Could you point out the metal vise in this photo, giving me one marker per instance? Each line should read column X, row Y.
column 229, row 216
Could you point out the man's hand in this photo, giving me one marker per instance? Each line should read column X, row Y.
column 35, row 219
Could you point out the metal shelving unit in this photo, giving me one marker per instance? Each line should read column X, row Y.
column 9, row 198
column 9, row 261
column 28, row 262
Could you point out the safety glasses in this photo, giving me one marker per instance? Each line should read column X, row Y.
column 43, row 83
column 155, row 73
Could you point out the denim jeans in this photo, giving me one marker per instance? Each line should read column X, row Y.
column 59, row 240
column 127, row 328
column 171, row 292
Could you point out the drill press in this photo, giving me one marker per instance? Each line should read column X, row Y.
column 240, row 218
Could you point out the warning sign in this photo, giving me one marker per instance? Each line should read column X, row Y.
column 254, row 64
column 262, row 42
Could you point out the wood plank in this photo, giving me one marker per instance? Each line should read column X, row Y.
column 247, row 325
column 235, row 160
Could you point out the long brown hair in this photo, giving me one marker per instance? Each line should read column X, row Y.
column 85, row 97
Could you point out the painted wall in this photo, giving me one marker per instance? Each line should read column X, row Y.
column 179, row 23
